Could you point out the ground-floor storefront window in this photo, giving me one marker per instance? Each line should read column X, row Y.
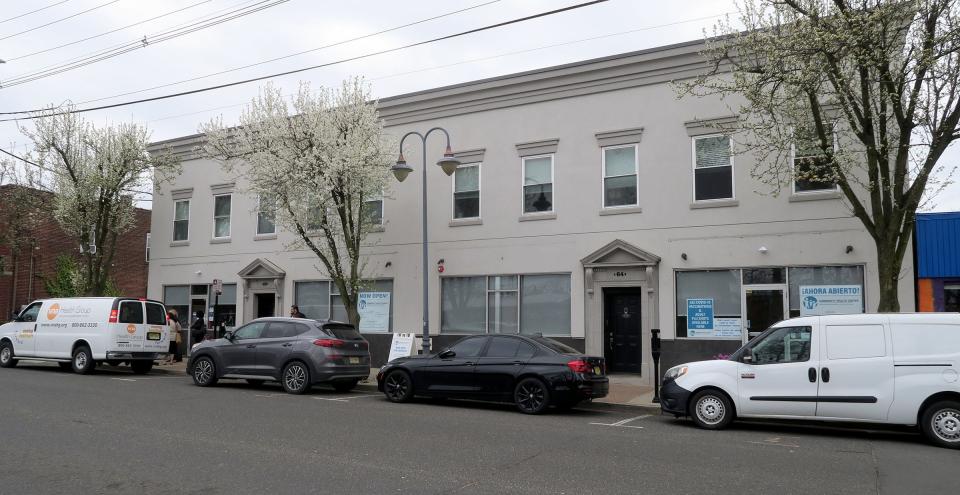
column 322, row 300
column 188, row 300
column 738, row 303
column 525, row 304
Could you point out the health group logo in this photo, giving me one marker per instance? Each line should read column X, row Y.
column 53, row 311
column 810, row 302
column 131, row 329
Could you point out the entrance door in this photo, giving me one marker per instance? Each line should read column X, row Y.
column 265, row 305
column 622, row 329
column 764, row 306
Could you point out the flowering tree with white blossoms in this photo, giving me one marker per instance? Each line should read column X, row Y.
column 859, row 96
column 314, row 161
column 95, row 174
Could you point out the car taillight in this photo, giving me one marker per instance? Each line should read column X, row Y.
column 580, row 366
column 113, row 316
column 328, row 342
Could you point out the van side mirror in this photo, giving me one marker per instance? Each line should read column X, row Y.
column 747, row 358
column 447, row 354
column 17, row 319
column 229, row 336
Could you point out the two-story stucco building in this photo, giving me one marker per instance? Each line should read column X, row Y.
column 591, row 205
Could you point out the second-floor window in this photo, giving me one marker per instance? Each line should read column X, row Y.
column 538, row 184
column 266, row 215
column 812, row 169
column 712, row 168
column 373, row 209
column 181, row 220
column 620, row 176
column 221, row 215
column 466, row 191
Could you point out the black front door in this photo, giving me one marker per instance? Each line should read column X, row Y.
column 621, row 329
column 265, row 305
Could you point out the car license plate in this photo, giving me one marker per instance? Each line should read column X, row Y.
column 153, row 335
column 354, row 360
column 596, row 370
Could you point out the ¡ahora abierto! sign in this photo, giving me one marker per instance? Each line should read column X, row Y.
column 818, row 300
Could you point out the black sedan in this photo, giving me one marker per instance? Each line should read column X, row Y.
column 531, row 372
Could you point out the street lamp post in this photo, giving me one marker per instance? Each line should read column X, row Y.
column 401, row 170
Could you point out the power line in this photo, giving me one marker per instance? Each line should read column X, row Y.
column 304, row 69
column 468, row 61
column 22, row 159
column 59, row 20
column 141, row 43
column 108, row 32
column 165, row 30
column 33, row 11
column 262, row 62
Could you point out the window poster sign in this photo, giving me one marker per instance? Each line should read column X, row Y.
column 374, row 309
column 830, row 299
column 700, row 318
column 727, row 328
column 401, row 346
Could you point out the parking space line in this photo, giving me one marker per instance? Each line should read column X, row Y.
column 623, row 423
column 124, row 379
column 346, row 398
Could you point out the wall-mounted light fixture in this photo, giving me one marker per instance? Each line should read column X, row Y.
column 683, row 256
column 762, row 250
column 389, row 264
column 849, row 249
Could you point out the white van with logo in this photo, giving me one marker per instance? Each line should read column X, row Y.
column 81, row 332
column 877, row 368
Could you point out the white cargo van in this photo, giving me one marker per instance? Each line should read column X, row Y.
column 879, row 368
column 80, row 332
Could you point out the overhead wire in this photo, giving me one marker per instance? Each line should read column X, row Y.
column 59, row 20
column 46, row 50
column 262, row 62
column 140, row 44
column 469, row 61
column 101, row 51
column 32, row 11
column 34, row 113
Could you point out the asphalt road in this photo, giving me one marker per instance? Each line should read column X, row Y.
column 114, row 432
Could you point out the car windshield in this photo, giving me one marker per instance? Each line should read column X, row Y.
column 342, row 331
column 555, row 346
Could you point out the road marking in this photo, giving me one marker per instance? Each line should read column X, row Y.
column 347, row 398
column 124, row 379
column 623, row 423
column 270, row 396
column 776, row 442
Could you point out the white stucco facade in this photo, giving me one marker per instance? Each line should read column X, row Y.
column 570, row 113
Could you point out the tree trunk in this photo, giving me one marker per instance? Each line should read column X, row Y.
column 350, row 303
column 888, row 267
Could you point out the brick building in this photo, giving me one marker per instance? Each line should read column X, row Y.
column 22, row 276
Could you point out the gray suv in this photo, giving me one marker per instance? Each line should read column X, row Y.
column 296, row 352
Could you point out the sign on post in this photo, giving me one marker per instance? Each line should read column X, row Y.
column 374, row 310
column 401, row 346
column 217, row 286
column 818, row 300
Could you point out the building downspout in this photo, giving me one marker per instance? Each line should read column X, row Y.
column 33, row 264
column 13, row 284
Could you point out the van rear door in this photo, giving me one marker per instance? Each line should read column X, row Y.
column 129, row 331
column 158, row 334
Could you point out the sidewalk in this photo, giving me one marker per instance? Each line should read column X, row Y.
column 625, row 390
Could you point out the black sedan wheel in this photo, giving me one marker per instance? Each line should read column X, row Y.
column 398, row 387
column 531, row 396
column 296, row 378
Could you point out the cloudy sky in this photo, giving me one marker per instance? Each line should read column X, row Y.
column 285, row 28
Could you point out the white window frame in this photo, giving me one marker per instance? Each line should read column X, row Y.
column 382, row 201
column 146, row 254
column 453, row 192
column 693, row 173
column 604, row 177
column 793, row 163
column 259, row 212
column 553, row 184
column 173, row 234
column 229, row 217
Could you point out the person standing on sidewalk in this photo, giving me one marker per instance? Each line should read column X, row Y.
column 175, row 337
column 198, row 329
column 295, row 312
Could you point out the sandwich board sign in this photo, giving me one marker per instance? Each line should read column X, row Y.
column 401, row 346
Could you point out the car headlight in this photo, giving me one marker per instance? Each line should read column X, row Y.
column 675, row 372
